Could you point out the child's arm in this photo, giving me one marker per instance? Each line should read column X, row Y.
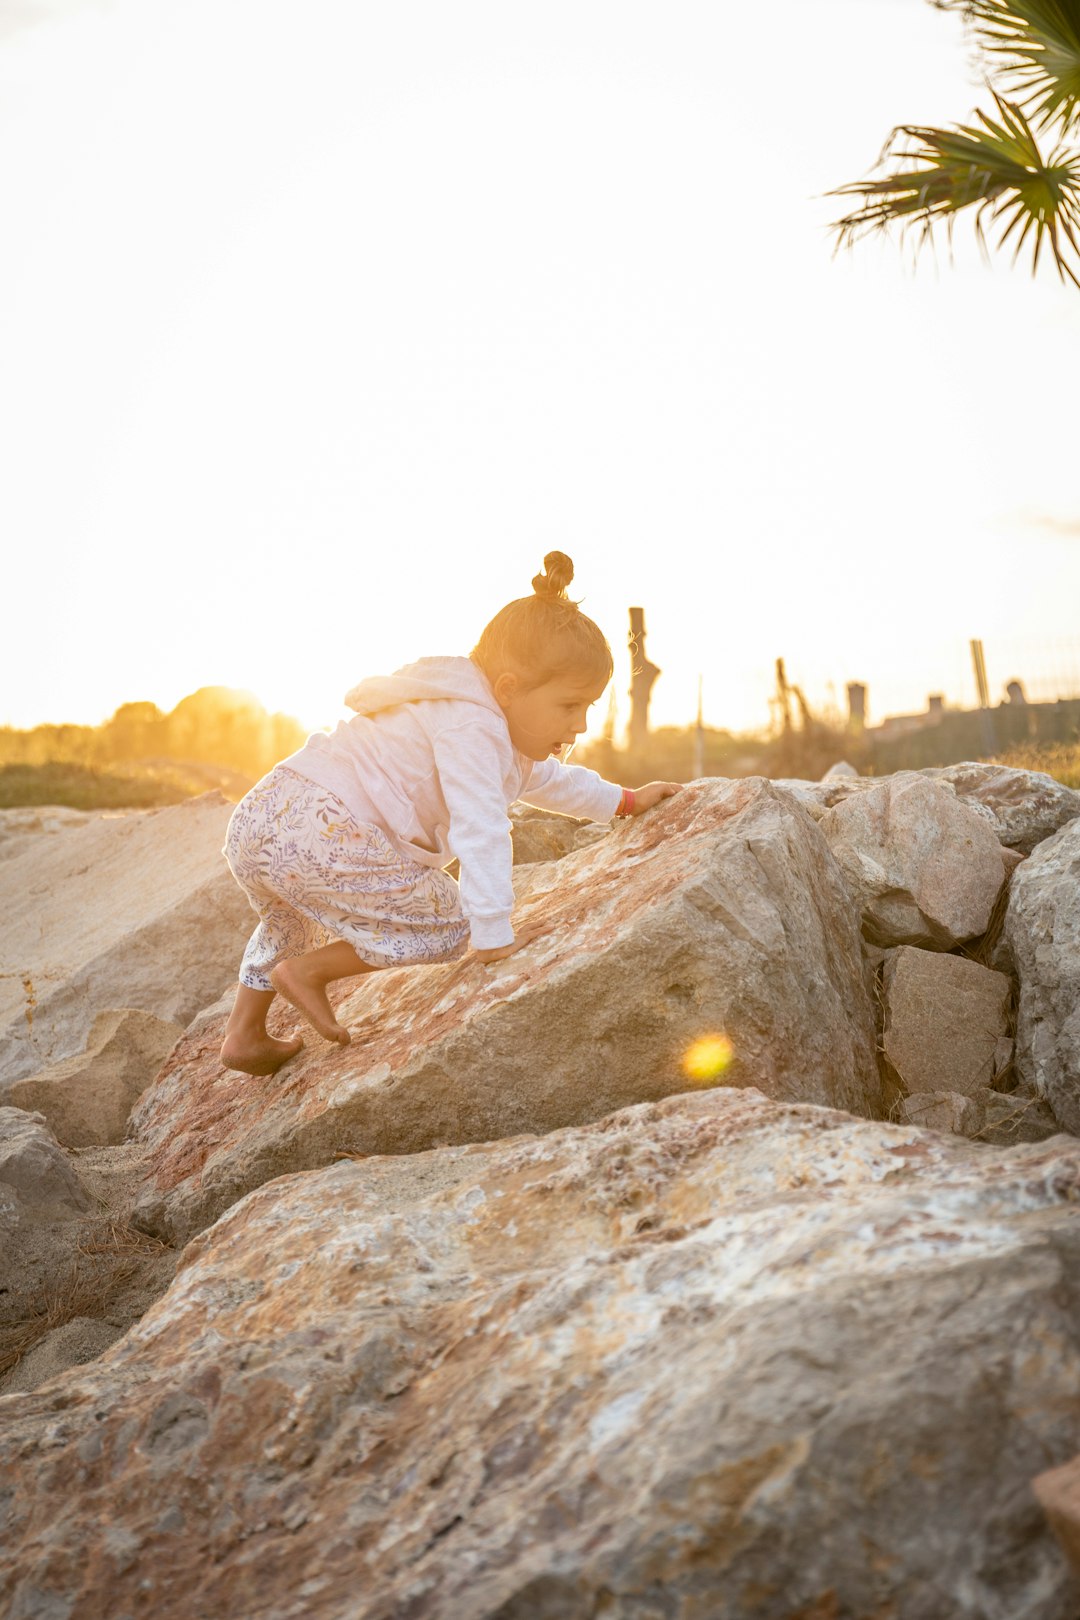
column 471, row 780
column 574, row 790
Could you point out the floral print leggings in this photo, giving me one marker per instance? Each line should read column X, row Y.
column 315, row 874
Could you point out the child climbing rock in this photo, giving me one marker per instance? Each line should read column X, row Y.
column 341, row 848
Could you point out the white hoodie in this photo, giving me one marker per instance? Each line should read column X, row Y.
column 428, row 758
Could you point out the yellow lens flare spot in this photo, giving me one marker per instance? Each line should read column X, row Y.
column 706, row 1061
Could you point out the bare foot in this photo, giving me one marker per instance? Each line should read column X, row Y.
column 308, row 996
column 257, row 1054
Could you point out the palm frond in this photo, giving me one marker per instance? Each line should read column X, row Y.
column 1033, row 49
column 994, row 167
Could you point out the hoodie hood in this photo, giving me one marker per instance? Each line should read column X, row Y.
column 454, row 679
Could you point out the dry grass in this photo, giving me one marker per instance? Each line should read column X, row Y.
column 1059, row 760
column 109, row 1256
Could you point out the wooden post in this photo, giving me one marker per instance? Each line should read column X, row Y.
column 982, row 686
column 698, row 768
column 642, row 676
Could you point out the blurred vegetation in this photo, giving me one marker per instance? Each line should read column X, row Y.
column 141, row 756
column 82, row 787
column 671, row 754
column 223, row 739
column 1060, row 760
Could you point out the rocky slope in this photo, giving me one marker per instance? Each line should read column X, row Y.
column 749, row 1350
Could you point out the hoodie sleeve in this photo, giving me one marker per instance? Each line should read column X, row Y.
column 471, row 778
column 572, row 790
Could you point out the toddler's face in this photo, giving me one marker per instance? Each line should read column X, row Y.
column 545, row 719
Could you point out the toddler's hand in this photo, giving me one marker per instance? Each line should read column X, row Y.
column 645, row 797
column 523, row 937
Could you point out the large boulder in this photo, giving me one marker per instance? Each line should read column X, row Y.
column 1023, row 807
column 924, row 868
column 1026, row 806
column 720, row 917
column 714, row 1356
column 133, row 910
column 1042, row 940
column 87, row 1098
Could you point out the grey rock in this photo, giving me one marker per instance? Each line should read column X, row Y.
column 34, row 1166
column 1042, row 939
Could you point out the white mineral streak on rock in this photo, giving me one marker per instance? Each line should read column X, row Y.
column 721, row 910
column 945, row 1020
column 136, row 910
column 1042, row 937
column 737, row 1358
column 924, row 868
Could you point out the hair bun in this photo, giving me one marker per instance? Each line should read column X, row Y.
column 558, row 572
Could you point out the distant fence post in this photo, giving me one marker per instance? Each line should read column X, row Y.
column 642, row 678
column 989, row 730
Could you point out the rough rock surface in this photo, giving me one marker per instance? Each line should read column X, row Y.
column 1027, row 806
column 940, row 1111
column 87, row 1099
column 1042, row 939
column 541, row 835
column 1001, row 1118
column 713, row 1356
column 161, row 925
column 35, row 1168
column 924, row 868
column 946, row 1022
column 1024, row 807
column 1059, row 1492
column 720, row 911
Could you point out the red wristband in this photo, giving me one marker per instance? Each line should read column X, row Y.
column 626, row 803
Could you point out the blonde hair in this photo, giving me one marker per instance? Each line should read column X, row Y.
column 545, row 635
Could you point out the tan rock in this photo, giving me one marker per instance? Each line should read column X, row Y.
column 923, row 867
column 540, row 835
column 946, row 1021
column 131, row 910
column 1058, row 1490
column 87, row 1099
column 1012, row 858
column 719, row 913
column 713, row 1356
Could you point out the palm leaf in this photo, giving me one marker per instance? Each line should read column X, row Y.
column 1033, row 46
column 994, row 167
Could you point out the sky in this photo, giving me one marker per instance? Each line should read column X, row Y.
column 320, row 324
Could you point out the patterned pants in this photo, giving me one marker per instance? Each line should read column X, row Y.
column 315, row 874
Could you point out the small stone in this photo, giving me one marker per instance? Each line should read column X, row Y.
column 941, row 1111
column 35, row 1167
